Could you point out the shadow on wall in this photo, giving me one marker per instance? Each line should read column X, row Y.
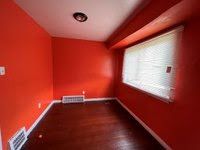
column 91, row 88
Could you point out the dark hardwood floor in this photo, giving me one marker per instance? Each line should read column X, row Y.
column 101, row 125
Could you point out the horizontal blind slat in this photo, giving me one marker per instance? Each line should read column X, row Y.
column 145, row 65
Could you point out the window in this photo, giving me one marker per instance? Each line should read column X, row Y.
column 150, row 66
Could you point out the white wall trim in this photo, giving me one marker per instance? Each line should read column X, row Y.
column 1, row 147
column 162, row 142
column 100, row 99
column 92, row 99
column 57, row 101
column 41, row 116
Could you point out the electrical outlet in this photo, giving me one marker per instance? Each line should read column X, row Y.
column 2, row 71
column 39, row 105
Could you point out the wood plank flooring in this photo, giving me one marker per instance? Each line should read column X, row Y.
column 101, row 125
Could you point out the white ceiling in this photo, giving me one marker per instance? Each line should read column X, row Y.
column 55, row 16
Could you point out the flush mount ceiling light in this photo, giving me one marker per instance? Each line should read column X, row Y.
column 79, row 16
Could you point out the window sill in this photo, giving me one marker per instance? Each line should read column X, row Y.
column 168, row 101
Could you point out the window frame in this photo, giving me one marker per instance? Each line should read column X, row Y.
column 177, row 30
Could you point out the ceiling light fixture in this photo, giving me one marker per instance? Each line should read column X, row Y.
column 79, row 16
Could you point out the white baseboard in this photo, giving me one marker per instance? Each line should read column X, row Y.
column 57, row 101
column 92, row 99
column 100, row 99
column 41, row 116
column 162, row 142
column 1, row 147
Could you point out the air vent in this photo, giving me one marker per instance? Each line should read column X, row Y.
column 73, row 99
column 17, row 141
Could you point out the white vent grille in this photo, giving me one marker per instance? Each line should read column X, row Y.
column 73, row 99
column 17, row 141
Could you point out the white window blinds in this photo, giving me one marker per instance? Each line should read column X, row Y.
column 149, row 66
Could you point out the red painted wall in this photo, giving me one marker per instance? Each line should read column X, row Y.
column 176, row 123
column 25, row 51
column 82, row 65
